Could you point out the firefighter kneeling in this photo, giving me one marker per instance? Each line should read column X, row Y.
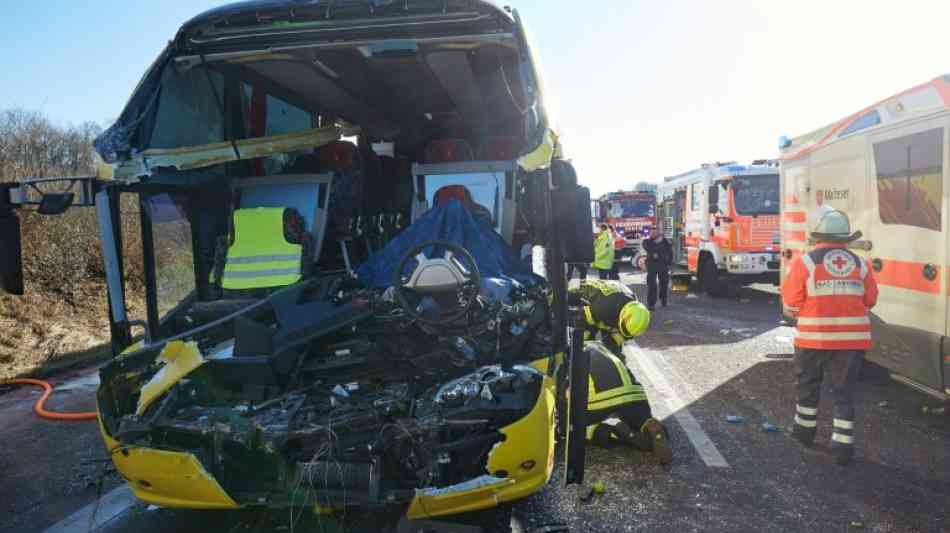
column 612, row 312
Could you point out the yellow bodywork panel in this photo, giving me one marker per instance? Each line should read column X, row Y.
column 167, row 479
column 180, row 359
column 526, row 456
column 542, row 155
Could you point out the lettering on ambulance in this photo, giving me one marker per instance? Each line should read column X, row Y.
column 831, row 195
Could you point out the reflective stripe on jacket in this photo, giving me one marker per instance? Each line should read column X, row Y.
column 604, row 251
column 830, row 290
column 610, row 383
column 260, row 256
column 603, row 302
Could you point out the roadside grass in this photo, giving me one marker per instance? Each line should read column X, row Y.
column 42, row 333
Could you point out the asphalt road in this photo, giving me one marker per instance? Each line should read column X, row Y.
column 702, row 361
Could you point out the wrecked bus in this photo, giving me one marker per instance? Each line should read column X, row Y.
column 334, row 199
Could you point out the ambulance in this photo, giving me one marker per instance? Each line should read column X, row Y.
column 886, row 167
column 722, row 220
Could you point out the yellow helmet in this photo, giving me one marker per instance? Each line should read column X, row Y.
column 634, row 320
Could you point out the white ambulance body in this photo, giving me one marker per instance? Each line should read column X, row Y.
column 887, row 168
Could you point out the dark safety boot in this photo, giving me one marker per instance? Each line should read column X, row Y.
column 659, row 440
column 805, row 436
column 843, row 454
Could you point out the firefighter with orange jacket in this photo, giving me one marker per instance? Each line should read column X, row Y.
column 829, row 290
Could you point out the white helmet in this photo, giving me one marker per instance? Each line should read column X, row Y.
column 832, row 225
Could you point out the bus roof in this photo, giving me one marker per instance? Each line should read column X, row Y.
column 922, row 99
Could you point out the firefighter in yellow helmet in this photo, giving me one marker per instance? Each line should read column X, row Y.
column 612, row 313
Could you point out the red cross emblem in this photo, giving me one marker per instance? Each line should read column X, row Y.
column 839, row 263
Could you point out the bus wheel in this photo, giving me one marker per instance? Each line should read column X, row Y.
column 710, row 281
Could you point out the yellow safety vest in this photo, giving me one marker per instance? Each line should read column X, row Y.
column 260, row 257
column 604, row 251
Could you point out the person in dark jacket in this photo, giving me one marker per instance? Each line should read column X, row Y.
column 659, row 257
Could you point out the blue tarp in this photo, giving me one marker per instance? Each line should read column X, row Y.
column 450, row 222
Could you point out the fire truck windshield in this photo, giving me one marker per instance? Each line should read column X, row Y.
column 756, row 195
column 630, row 207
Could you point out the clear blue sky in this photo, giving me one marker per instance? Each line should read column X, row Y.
column 642, row 89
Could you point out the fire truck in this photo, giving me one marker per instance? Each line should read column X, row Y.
column 886, row 167
column 631, row 213
column 723, row 222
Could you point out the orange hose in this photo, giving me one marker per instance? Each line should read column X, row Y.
column 47, row 390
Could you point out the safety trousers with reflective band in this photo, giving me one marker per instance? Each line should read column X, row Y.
column 611, row 383
column 845, row 367
column 833, row 315
column 260, row 257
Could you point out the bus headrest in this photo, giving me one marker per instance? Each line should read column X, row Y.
column 453, row 192
column 448, row 150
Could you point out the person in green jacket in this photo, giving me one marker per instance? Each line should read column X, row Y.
column 604, row 252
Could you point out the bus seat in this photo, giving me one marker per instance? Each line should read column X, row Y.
column 448, row 150
column 463, row 195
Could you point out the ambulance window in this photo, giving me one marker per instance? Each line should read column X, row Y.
column 871, row 118
column 910, row 179
column 694, row 197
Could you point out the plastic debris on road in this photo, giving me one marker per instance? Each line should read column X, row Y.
column 735, row 419
column 588, row 492
column 599, row 487
column 769, row 427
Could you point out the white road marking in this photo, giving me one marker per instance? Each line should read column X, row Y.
column 643, row 366
column 110, row 506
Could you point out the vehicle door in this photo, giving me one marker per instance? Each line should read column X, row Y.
column 908, row 231
column 696, row 215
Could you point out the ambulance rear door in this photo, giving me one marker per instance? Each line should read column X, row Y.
column 908, row 231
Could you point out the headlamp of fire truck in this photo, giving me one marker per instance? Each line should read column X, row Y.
column 620, row 231
column 736, row 259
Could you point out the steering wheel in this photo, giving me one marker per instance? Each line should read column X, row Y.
column 440, row 289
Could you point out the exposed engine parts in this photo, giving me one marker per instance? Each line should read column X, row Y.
column 362, row 404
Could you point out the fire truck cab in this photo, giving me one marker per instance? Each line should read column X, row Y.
column 722, row 219
column 886, row 167
column 631, row 213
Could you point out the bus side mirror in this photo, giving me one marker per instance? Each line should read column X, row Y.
column 11, row 258
column 713, row 197
column 572, row 214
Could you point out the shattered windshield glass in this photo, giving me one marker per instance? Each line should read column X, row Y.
column 756, row 195
column 174, row 257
